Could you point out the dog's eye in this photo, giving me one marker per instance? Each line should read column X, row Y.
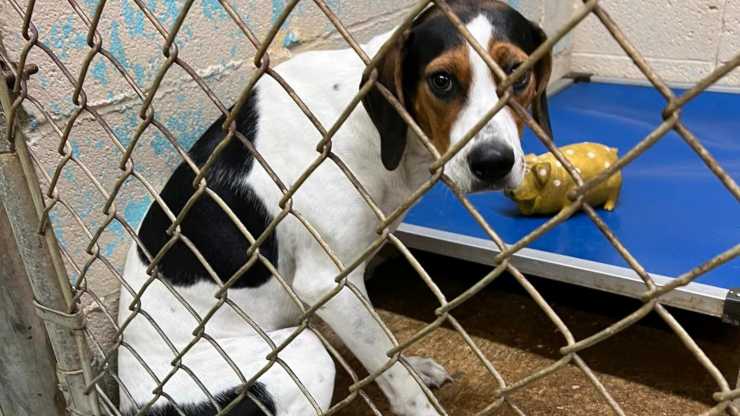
column 522, row 82
column 441, row 83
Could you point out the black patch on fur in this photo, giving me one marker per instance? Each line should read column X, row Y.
column 246, row 406
column 206, row 224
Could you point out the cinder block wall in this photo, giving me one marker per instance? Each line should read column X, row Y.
column 682, row 40
column 552, row 15
column 209, row 42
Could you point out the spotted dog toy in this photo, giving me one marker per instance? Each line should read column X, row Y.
column 547, row 183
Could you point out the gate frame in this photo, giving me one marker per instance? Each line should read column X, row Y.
column 37, row 254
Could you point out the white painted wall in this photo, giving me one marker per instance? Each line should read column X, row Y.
column 551, row 15
column 682, row 40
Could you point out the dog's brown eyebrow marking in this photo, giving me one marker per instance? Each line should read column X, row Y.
column 435, row 116
column 455, row 61
column 507, row 54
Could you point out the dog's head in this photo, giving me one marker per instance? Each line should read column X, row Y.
column 447, row 88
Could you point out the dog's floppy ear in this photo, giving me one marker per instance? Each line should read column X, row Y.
column 389, row 123
column 542, row 71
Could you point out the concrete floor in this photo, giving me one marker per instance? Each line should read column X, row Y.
column 646, row 368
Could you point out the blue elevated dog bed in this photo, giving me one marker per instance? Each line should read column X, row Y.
column 673, row 214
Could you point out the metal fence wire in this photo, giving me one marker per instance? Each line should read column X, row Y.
column 83, row 384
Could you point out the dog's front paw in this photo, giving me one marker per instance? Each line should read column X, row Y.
column 405, row 394
column 431, row 373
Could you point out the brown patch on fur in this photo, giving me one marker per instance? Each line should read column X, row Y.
column 506, row 55
column 436, row 116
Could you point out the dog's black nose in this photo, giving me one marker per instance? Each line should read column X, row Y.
column 491, row 162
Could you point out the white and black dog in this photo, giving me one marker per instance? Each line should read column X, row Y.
column 446, row 86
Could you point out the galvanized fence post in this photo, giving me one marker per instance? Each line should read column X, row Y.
column 35, row 255
column 27, row 375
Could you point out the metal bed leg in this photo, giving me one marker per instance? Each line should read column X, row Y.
column 737, row 401
column 732, row 307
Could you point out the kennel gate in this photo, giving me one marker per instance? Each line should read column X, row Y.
column 57, row 298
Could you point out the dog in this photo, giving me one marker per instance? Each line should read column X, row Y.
column 446, row 87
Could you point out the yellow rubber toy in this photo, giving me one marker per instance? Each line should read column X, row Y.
column 547, row 183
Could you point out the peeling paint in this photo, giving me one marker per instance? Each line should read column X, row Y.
column 68, row 174
column 75, row 149
column 125, row 131
column 135, row 211
column 140, row 75
column 118, row 232
column 43, row 80
column 58, row 230
column 99, row 144
column 290, row 39
column 86, row 209
column 213, row 10
column 170, row 12
column 91, row 6
column 99, row 70
column 160, row 146
column 62, row 37
column 117, row 48
column 33, row 125
column 133, row 18
column 133, row 214
column 277, row 8
column 187, row 125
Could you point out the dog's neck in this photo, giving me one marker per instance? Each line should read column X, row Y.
column 410, row 175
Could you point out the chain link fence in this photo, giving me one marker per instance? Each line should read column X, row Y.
column 86, row 365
